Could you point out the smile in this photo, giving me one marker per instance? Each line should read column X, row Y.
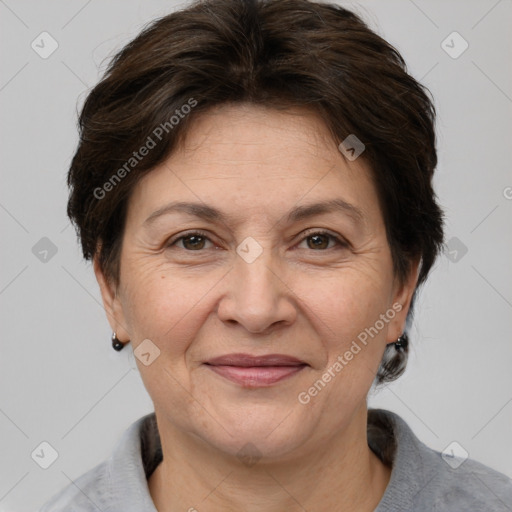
column 256, row 376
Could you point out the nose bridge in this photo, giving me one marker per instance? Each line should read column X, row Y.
column 254, row 277
column 256, row 297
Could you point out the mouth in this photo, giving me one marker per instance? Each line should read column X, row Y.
column 256, row 371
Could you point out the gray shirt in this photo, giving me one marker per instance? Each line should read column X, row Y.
column 421, row 480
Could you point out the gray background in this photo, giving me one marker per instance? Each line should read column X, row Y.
column 61, row 382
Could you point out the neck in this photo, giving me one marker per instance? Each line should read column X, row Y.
column 343, row 474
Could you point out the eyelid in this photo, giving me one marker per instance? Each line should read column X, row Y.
column 171, row 241
column 341, row 241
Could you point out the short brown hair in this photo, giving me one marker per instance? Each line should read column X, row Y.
column 276, row 53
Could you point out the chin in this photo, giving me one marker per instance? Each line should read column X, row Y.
column 260, row 434
column 250, row 449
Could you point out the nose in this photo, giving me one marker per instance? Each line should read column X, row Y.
column 258, row 297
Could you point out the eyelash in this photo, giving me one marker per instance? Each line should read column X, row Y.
column 341, row 242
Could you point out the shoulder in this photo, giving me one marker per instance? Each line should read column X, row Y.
column 425, row 479
column 85, row 494
column 472, row 484
column 118, row 483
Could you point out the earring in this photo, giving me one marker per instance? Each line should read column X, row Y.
column 402, row 342
column 116, row 344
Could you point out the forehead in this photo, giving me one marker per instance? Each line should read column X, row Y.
column 246, row 133
column 247, row 159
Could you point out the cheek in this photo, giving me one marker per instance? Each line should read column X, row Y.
column 346, row 311
column 345, row 302
column 166, row 307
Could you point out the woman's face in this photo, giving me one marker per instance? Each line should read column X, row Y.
column 266, row 275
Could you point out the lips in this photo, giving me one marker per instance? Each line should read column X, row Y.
column 246, row 360
column 255, row 371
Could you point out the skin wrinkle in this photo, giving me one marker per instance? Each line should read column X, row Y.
column 214, row 215
column 288, row 300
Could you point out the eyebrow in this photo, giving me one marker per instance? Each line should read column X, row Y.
column 296, row 214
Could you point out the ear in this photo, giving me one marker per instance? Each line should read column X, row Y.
column 402, row 297
column 112, row 303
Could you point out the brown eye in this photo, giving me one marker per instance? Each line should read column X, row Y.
column 190, row 242
column 319, row 241
column 193, row 242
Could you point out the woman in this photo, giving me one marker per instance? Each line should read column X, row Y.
column 253, row 183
